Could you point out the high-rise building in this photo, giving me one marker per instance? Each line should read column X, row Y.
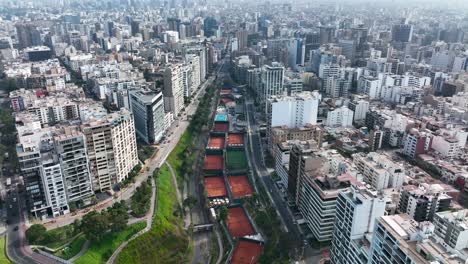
column 327, row 34
column 28, row 35
column 360, row 109
column 173, row 89
column 451, row 231
column 301, row 160
column 340, row 117
column 399, row 239
column 70, row 146
column 402, row 32
column 357, row 210
column 271, row 82
column 148, row 111
column 423, row 201
column 242, row 39
column 318, row 192
column 111, row 146
column 296, row 53
column 293, row 111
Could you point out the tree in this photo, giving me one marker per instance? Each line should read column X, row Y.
column 94, row 225
column 190, row 202
column 118, row 216
column 223, row 213
column 76, row 226
column 36, row 233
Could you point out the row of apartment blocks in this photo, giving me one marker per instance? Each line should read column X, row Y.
column 318, row 180
column 69, row 151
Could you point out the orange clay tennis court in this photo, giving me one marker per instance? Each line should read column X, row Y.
column 216, row 143
column 226, row 100
column 240, row 186
column 246, row 252
column 225, row 91
column 235, row 139
column 238, row 223
column 221, row 127
column 213, row 162
column 214, row 187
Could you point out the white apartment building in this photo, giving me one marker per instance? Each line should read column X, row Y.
column 194, row 63
column 329, row 70
column 371, row 86
column 293, row 111
column 448, row 147
column 271, row 81
column 317, row 201
column 173, row 89
column 379, row 171
column 360, row 109
column 357, row 210
column 340, row 117
column 112, row 150
column 282, row 151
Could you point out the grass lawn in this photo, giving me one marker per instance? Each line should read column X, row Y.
column 3, row 257
column 72, row 249
column 59, row 236
column 100, row 252
column 166, row 242
column 236, row 160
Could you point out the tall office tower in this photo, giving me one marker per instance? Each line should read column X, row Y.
column 242, row 39
column 402, row 33
column 356, row 212
column 318, row 193
column 423, row 201
column 399, row 239
column 348, row 49
column 312, row 42
column 173, row 89
column 327, row 35
column 296, row 53
column 111, row 146
column 359, row 35
column 379, row 171
column 209, row 26
column 272, row 82
column 28, row 35
column 148, row 111
column 173, row 24
column 70, row 145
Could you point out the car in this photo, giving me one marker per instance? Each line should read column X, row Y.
column 16, row 228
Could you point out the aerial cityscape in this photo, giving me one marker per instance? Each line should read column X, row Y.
column 234, row 131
